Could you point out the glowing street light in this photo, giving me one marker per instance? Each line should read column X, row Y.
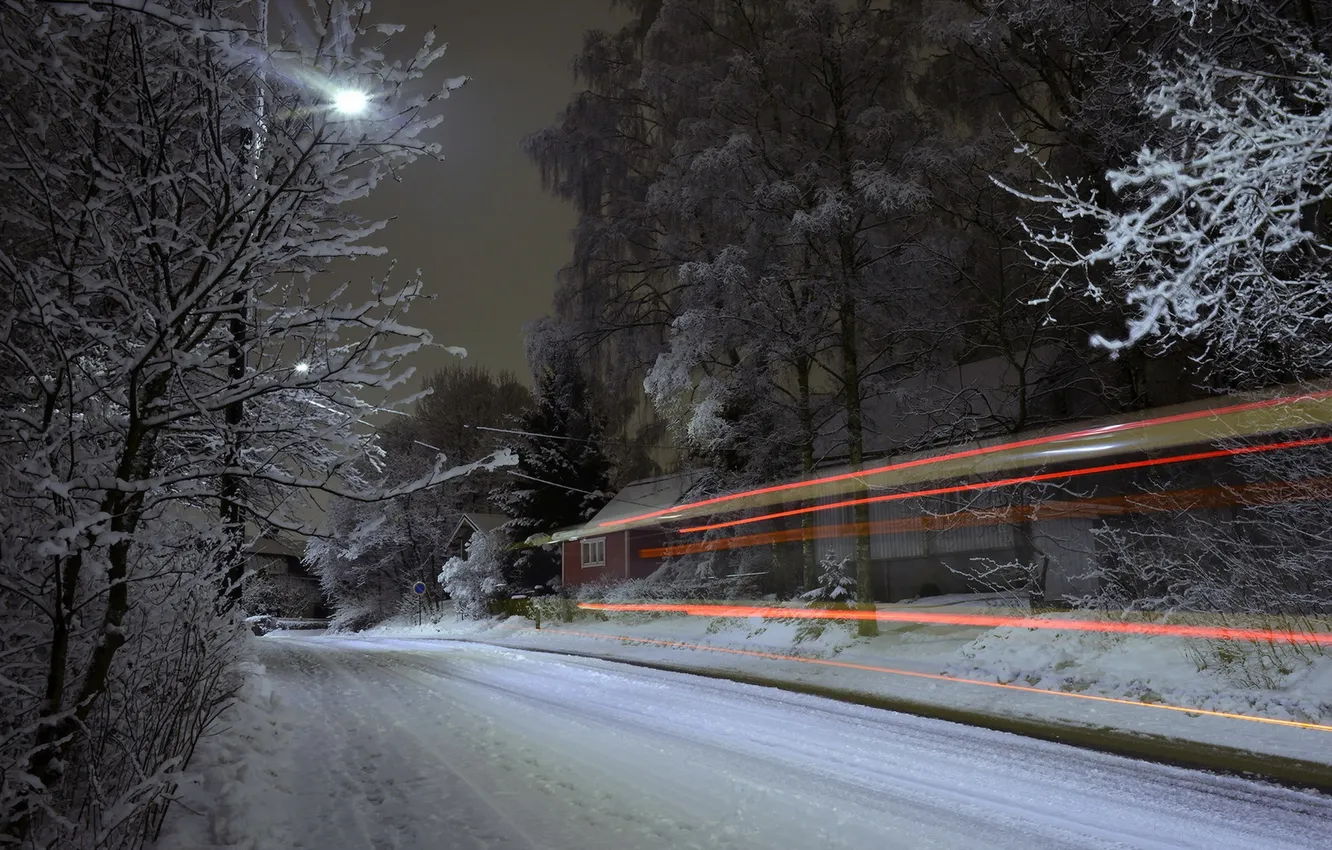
column 301, row 368
column 350, row 101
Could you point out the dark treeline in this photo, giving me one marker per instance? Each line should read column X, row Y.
column 802, row 235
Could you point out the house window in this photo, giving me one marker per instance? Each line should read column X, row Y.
column 594, row 552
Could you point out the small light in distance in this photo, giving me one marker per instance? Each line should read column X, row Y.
column 301, row 368
column 351, row 101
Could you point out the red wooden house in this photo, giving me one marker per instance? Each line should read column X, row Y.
column 599, row 549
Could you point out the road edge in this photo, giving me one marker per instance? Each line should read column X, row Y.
column 1160, row 749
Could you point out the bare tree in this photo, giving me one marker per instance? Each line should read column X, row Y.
column 159, row 229
column 618, row 293
column 1219, row 233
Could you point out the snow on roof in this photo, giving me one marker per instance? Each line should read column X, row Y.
column 274, row 546
column 649, row 494
column 638, row 497
column 484, row 522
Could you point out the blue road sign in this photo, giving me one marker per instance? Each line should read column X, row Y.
column 419, row 588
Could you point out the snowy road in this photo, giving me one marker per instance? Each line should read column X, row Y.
column 419, row 744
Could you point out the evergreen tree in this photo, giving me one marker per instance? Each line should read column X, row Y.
column 563, row 475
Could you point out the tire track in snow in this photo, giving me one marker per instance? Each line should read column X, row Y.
column 358, row 755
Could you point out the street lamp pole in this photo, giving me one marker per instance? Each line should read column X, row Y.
column 232, row 515
column 350, row 102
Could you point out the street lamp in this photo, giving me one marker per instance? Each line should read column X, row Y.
column 350, row 101
column 301, row 368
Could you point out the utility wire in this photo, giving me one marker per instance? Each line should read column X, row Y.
column 527, row 434
column 576, row 490
column 570, row 439
column 555, row 484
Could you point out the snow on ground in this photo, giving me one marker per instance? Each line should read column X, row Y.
column 375, row 743
column 225, row 797
column 1148, row 669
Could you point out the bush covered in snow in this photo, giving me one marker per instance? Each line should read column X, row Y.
column 668, row 587
column 835, row 583
column 556, row 608
column 262, row 594
column 474, row 581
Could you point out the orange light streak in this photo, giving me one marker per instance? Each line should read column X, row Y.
column 1179, row 630
column 1024, row 479
column 1175, row 500
column 976, row 452
column 849, row 665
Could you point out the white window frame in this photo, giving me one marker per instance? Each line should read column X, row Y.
column 594, row 544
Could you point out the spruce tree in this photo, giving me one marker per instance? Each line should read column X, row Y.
column 563, row 474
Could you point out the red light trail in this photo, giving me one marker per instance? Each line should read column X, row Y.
column 976, row 452
column 1267, row 493
column 1023, row 479
column 849, row 665
column 983, row 620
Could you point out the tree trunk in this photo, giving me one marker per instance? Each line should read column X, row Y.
column 855, row 446
column 233, row 520
column 62, row 721
column 809, row 556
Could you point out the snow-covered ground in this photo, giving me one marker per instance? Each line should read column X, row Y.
column 1058, row 665
column 1162, row 670
column 364, row 743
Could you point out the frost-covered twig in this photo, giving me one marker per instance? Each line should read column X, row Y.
column 161, row 350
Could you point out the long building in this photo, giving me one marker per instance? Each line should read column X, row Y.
column 1022, row 512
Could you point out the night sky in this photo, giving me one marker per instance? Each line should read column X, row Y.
column 478, row 225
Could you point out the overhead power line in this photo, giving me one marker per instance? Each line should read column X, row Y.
column 608, row 496
column 568, row 439
column 528, row 434
column 557, row 484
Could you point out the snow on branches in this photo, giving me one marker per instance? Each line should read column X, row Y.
column 475, row 580
column 173, row 183
column 836, row 582
column 1219, row 233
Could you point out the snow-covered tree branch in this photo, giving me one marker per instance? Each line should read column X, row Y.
column 1219, row 233
column 176, row 185
column 476, row 579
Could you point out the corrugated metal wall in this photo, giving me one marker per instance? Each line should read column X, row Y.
column 932, row 541
column 945, row 541
column 843, row 546
column 1071, row 546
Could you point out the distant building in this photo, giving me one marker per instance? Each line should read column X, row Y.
column 295, row 591
column 468, row 524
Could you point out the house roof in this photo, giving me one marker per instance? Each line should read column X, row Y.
column 649, row 494
column 483, row 522
column 274, row 546
column 638, row 497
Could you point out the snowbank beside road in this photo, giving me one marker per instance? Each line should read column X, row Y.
column 221, row 801
column 1153, row 670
